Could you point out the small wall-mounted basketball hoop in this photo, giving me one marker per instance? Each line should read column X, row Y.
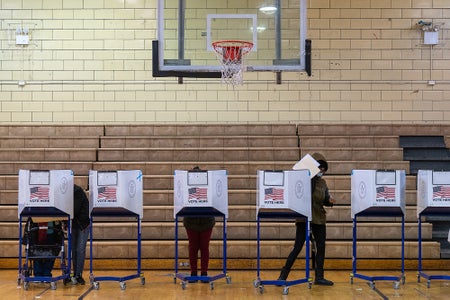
column 230, row 54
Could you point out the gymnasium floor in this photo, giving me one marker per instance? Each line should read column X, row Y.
column 160, row 285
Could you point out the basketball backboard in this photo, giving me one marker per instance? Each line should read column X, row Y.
column 187, row 29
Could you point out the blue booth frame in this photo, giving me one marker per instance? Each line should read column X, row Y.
column 258, row 283
column 202, row 212
column 22, row 276
column 379, row 212
column 429, row 211
column 117, row 213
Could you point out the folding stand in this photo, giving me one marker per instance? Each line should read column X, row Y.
column 430, row 211
column 24, row 272
column 201, row 212
column 258, row 283
column 105, row 212
column 379, row 212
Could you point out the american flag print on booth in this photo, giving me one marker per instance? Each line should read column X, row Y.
column 441, row 191
column 39, row 194
column 198, row 193
column 107, row 194
column 385, row 192
column 274, row 194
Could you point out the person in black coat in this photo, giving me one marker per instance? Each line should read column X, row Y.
column 80, row 233
column 320, row 197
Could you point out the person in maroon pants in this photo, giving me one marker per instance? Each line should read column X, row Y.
column 199, row 231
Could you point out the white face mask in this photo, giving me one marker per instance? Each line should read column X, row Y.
column 320, row 174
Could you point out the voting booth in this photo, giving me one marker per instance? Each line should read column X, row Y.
column 283, row 195
column 433, row 192
column 116, row 194
column 197, row 190
column 45, row 192
column 284, row 191
column 374, row 191
column 44, row 196
column 378, row 193
column 433, row 199
column 201, row 193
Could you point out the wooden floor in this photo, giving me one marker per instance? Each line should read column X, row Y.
column 161, row 285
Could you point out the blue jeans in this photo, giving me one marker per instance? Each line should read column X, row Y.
column 79, row 240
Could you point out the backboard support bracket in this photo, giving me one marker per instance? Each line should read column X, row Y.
column 308, row 57
column 307, row 62
column 157, row 72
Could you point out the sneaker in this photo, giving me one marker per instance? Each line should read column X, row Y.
column 323, row 281
column 80, row 280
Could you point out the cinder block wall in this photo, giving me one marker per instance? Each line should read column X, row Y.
column 90, row 62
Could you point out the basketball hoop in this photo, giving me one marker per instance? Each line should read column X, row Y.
column 230, row 54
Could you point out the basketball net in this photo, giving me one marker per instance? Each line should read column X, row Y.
column 230, row 54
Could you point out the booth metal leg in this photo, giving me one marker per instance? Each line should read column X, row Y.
column 258, row 283
column 420, row 272
column 122, row 280
column 210, row 279
column 371, row 279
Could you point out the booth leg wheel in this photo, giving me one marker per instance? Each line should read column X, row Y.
column 256, row 283
column 372, row 285
column 228, row 278
column 310, row 285
column 26, row 285
column 123, row 285
column 211, row 285
column 403, row 279
column 285, row 290
column 183, row 285
column 396, row 285
column 96, row 285
column 351, row 278
column 261, row 289
column 418, row 277
column 428, row 283
column 53, row 285
column 143, row 280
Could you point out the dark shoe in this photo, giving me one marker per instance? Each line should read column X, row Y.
column 284, row 274
column 80, row 280
column 323, row 281
column 192, row 275
column 205, row 274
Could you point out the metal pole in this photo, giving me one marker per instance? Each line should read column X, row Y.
column 278, row 37
column 181, row 18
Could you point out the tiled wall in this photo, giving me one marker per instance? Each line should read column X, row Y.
column 89, row 61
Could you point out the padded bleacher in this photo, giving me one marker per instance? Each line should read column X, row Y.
column 158, row 150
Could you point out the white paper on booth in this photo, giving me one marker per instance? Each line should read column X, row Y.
column 308, row 163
